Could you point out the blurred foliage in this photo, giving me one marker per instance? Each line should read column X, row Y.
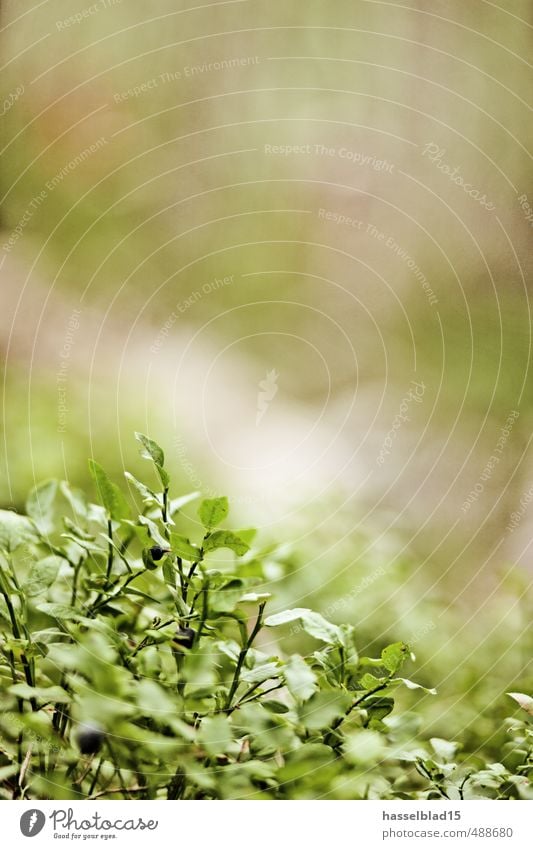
column 139, row 662
column 472, row 639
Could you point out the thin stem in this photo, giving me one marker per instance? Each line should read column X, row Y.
column 100, row 602
column 95, row 777
column 20, row 740
column 357, row 702
column 244, row 701
column 423, row 771
column 195, row 599
column 146, row 640
column 24, row 766
column 58, row 710
column 12, row 616
column 110, row 555
column 20, row 708
column 178, row 657
column 74, row 593
column 118, row 773
column 76, row 785
column 177, row 785
column 342, row 663
column 165, row 505
column 124, row 545
column 179, row 563
column 120, row 789
column 462, row 786
column 190, row 574
column 248, row 692
column 110, row 552
column 124, row 559
column 194, row 567
column 242, row 655
column 205, row 611
column 17, row 634
column 235, row 683
column 64, row 722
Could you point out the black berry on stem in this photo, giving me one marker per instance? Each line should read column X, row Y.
column 89, row 738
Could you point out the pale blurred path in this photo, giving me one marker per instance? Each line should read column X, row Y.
column 202, row 402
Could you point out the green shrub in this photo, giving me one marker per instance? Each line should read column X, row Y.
column 139, row 660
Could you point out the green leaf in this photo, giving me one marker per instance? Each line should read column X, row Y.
column 274, row 706
column 412, row 685
column 7, row 771
column 525, row 702
column 15, row 530
column 149, row 561
column 110, row 495
column 313, row 624
column 364, row 748
column 323, row 708
column 215, row 734
column 97, row 514
column 49, row 636
column 370, row 682
column 51, row 694
column 300, row 679
column 42, row 575
column 260, row 673
column 444, row 749
column 230, row 648
column 150, row 449
column 40, row 504
column 378, row 707
column 285, row 616
column 247, row 534
column 153, row 531
column 154, row 700
column 213, row 511
column 160, row 635
column 59, row 611
column 370, row 661
column 226, row 596
column 393, row 656
column 177, row 503
column 169, row 573
column 75, row 529
column 316, row 626
column 226, row 539
column 75, row 497
column 200, row 672
column 140, row 593
column 144, row 491
column 182, row 547
column 254, row 598
column 87, row 545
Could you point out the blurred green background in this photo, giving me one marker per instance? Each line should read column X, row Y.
column 251, row 230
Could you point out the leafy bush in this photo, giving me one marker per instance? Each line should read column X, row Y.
column 472, row 646
column 139, row 661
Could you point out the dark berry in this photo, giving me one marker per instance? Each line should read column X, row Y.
column 89, row 738
column 185, row 637
column 157, row 552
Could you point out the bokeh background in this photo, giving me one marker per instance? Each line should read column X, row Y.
column 292, row 242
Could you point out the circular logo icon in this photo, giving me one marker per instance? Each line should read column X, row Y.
column 32, row 822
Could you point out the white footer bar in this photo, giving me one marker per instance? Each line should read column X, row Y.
column 267, row 825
